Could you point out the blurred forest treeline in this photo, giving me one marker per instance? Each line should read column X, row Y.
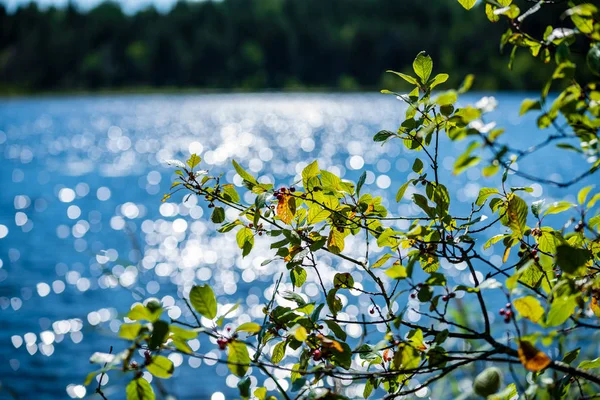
column 254, row 45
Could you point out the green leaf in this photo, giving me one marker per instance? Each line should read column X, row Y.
column 204, row 301
column 244, row 388
column 536, row 207
column 160, row 331
column 418, row 166
column 493, row 240
column 251, row 327
column 466, row 84
column 243, row 173
column 593, row 58
column 381, row 261
column 484, row 193
column 142, row 313
column 438, row 80
column 423, row 65
column 343, row 280
column 336, row 329
column 316, row 214
column 309, row 172
column 561, row 310
column 593, row 201
column 129, row 331
column 529, row 307
column 466, row 160
column 569, row 259
column 515, row 216
column 218, row 215
column 193, row 160
column 407, row 78
column 230, row 194
column 278, row 352
column 447, row 98
column 161, row 367
column 397, row 271
column 238, row 358
column 245, row 240
column 508, row 393
column 139, row 389
column 401, row 191
column 558, row 207
column 583, row 193
column 361, row 182
column 590, row 364
column 467, row 4
column 382, row 136
column 528, row 105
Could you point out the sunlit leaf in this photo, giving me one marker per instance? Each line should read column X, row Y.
column 204, row 301
column 529, row 307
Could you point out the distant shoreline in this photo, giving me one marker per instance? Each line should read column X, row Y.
column 201, row 91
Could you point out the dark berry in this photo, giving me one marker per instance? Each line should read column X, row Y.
column 452, row 295
column 520, row 254
column 419, row 285
column 508, row 305
column 502, row 311
column 506, row 319
column 222, row 343
column 445, row 298
column 372, row 311
column 523, row 246
column 292, row 189
column 534, row 252
column 509, row 313
column 413, row 295
column 250, row 225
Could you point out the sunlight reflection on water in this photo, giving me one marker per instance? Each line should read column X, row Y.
column 80, row 212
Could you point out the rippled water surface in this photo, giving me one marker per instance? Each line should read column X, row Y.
column 83, row 233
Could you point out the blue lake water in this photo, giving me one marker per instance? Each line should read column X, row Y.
column 83, row 233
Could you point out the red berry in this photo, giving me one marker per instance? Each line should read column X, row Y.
column 534, row 252
column 502, row 311
column 508, row 305
column 506, row 319
column 222, row 343
column 413, row 295
column 509, row 313
column 372, row 311
column 317, row 355
column 228, row 329
column 250, row 225
column 445, row 298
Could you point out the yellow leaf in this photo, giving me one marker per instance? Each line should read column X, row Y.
column 532, row 359
column 286, row 208
column 529, row 307
column 595, row 307
column 300, row 333
column 506, row 254
column 335, row 242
